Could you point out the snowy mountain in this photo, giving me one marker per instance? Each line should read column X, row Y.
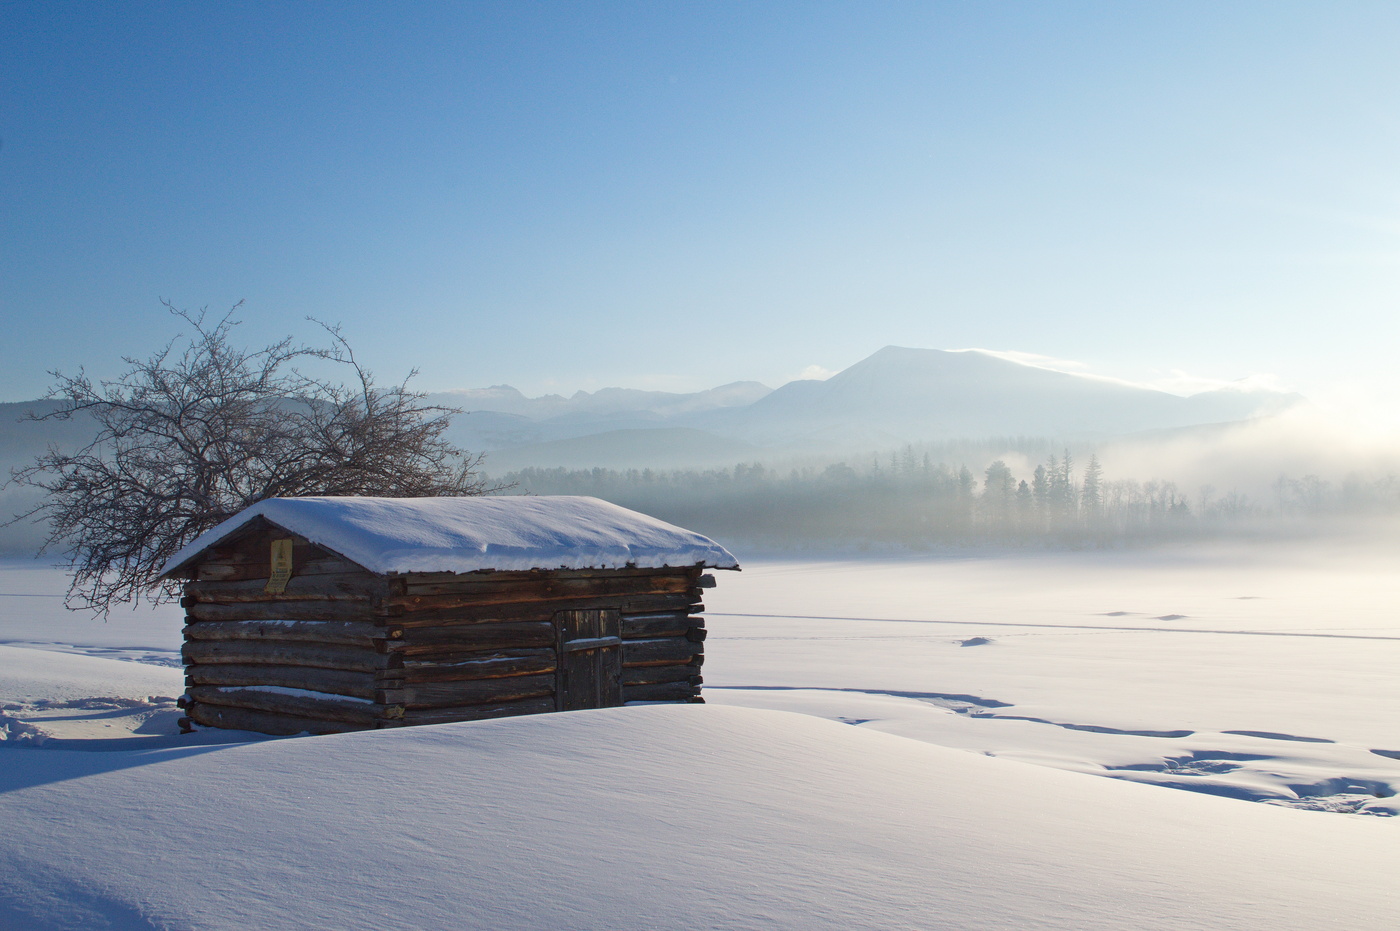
column 895, row 396
column 901, row 395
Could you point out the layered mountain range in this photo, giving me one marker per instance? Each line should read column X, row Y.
column 894, row 397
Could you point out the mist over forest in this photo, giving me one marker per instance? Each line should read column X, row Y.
column 948, row 494
column 909, row 448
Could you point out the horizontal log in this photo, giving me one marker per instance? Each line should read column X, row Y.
column 477, row 712
column 652, row 675
column 666, row 651
column 319, row 706
column 287, row 653
column 651, row 604
column 283, row 611
column 343, row 586
column 249, row 569
column 494, row 576
column 263, row 722
column 481, row 691
column 458, row 638
column 332, row 681
column 650, row 626
column 428, row 597
column 493, row 665
column 348, row 633
column 661, row 691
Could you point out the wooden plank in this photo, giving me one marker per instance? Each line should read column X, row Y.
column 481, row 691
column 661, row 691
column 494, row 665
column 489, row 576
column 286, row 653
column 549, row 588
column 651, row 626
column 346, row 586
column 262, row 722
column 231, row 570
column 331, row 681
column 477, row 712
column 665, row 651
column 349, row 633
column 651, row 604
column 455, row 612
column 321, row 708
column 283, row 611
column 652, row 675
column 247, row 555
column 423, row 641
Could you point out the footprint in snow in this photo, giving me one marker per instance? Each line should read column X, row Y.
column 974, row 642
column 1173, row 617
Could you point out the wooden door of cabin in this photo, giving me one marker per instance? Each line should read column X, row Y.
column 590, row 659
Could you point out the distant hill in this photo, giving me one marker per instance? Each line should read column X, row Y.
column 657, row 448
column 894, row 397
column 909, row 395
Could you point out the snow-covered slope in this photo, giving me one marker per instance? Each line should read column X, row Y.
column 908, row 395
column 655, row 817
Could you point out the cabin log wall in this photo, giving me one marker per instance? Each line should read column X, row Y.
column 344, row 649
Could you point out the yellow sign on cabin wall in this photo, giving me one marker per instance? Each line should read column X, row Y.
column 281, row 567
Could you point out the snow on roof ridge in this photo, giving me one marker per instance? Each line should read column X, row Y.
column 507, row 533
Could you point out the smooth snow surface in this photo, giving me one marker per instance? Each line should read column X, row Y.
column 470, row 534
column 657, row 817
column 974, row 706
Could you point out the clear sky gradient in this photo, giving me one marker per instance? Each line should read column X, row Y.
column 677, row 195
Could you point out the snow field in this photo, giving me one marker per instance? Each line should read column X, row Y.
column 649, row 817
column 911, row 806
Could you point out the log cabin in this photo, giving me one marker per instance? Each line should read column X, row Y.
column 333, row 614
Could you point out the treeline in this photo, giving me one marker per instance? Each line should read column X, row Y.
column 904, row 498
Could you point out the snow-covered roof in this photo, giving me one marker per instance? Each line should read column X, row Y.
column 514, row 532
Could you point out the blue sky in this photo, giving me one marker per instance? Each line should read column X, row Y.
column 677, row 195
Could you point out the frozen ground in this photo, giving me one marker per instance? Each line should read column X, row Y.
column 1267, row 675
column 1258, row 676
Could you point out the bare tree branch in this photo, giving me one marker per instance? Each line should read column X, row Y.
column 204, row 428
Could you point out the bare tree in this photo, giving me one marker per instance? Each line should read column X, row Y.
column 203, row 428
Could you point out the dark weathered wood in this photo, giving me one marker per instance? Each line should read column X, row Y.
column 650, row 626
column 349, row 633
column 287, row 653
column 333, row 681
column 668, row 651
column 232, row 570
column 661, row 691
column 651, row 675
column 480, row 691
column 328, row 708
column 590, row 659
column 350, row 586
column 652, row 604
column 246, row 555
column 283, row 611
column 477, row 712
column 490, row 576
column 443, row 596
column 420, row 641
column 492, row 665
column 263, row 722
